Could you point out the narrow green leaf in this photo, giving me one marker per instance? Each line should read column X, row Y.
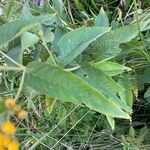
column 55, row 82
column 58, row 34
column 127, row 95
column 101, row 20
column 132, row 132
column 13, row 29
column 147, row 93
column 59, row 6
column 111, row 121
column 108, row 45
column 143, row 133
column 50, row 102
column 26, row 13
column 104, row 84
column 75, row 42
column 111, row 68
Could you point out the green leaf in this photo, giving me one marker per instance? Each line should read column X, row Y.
column 58, row 34
column 26, row 13
column 101, row 20
column 59, row 6
column 55, row 82
column 28, row 39
column 126, row 95
column 104, row 84
column 50, row 102
column 16, row 54
column 111, row 121
column 145, row 77
column 143, row 133
column 147, row 93
column 111, row 68
column 49, row 35
column 132, row 132
column 75, row 42
column 108, row 45
column 15, row 28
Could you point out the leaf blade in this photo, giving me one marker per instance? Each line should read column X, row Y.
column 108, row 45
column 75, row 42
column 111, row 68
column 101, row 20
column 55, row 82
column 13, row 29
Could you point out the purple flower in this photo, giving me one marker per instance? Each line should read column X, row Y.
column 38, row 2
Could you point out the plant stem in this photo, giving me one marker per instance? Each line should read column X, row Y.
column 11, row 59
column 140, row 34
column 20, row 85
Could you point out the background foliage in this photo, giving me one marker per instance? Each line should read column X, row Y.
column 81, row 70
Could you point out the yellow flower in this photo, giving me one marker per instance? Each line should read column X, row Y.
column 7, row 140
column 8, row 128
column 9, row 143
column 10, row 103
column 1, row 140
column 14, row 145
column 17, row 109
column 22, row 114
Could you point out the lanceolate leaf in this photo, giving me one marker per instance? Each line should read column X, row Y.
column 147, row 93
column 13, row 29
column 108, row 45
column 59, row 6
column 75, row 42
column 111, row 68
column 58, row 34
column 103, row 83
column 101, row 20
column 111, row 121
column 50, row 102
column 55, row 82
column 127, row 95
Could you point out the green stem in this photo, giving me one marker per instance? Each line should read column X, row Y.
column 11, row 59
column 10, row 68
column 21, row 67
column 46, row 47
column 140, row 34
column 51, row 56
column 20, row 85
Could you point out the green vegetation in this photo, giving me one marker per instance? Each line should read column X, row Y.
column 80, row 69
